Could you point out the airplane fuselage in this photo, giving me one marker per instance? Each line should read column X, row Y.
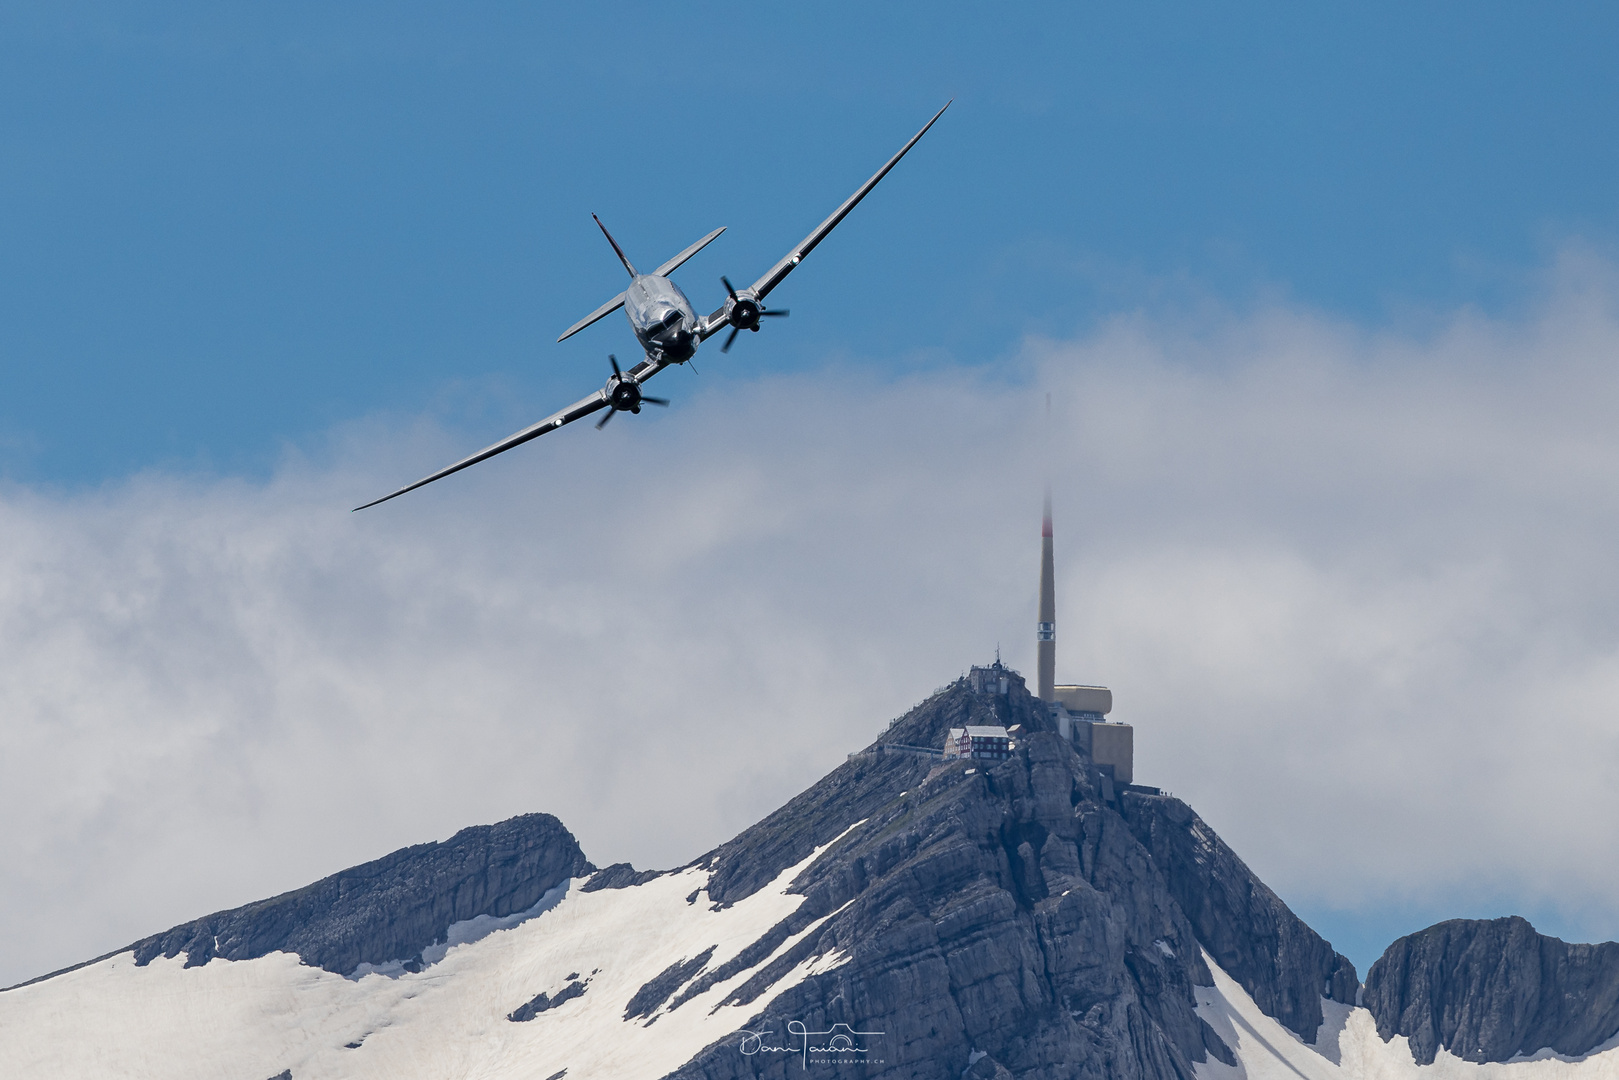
column 663, row 319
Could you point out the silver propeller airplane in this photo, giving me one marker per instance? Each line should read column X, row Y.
column 667, row 327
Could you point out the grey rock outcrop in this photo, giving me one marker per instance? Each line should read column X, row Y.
column 391, row 908
column 646, row 1001
column 815, row 817
column 999, row 916
column 542, row 1002
column 621, row 875
column 1285, row 966
column 1488, row 990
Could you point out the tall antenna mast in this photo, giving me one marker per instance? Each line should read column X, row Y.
column 1045, row 631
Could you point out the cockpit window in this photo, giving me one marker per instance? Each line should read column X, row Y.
column 672, row 319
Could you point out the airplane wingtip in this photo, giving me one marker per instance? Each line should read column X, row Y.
column 374, row 502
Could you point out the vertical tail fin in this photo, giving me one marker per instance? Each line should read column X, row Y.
column 618, row 250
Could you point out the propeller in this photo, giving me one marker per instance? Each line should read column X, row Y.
column 744, row 313
column 624, row 394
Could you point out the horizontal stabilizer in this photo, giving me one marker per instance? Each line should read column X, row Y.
column 669, row 267
column 606, row 309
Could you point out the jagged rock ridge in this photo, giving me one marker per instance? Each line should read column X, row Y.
column 391, row 908
column 1490, row 990
column 1285, row 966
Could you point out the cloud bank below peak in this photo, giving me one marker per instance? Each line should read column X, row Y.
column 1352, row 586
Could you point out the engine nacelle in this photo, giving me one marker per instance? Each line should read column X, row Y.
column 623, row 393
column 743, row 313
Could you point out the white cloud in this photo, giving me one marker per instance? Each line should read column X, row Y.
column 1354, row 588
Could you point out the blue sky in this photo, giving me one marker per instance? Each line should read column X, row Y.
column 1333, row 289
column 230, row 227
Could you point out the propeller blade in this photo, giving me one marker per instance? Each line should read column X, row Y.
column 654, row 400
column 603, row 421
column 611, row 359
column 782, row 314
column 730, row 339
column 727, row 283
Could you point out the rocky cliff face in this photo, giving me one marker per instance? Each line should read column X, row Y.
column 1000, row 916
column 986, row 919
column 1489, row 990
column 392, row 908
column 1286, row 967
column 847, row 794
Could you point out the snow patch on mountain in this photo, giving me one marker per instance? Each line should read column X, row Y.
column 1347, row 1047
column 256, row 1018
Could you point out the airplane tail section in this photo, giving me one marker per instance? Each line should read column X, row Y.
column 663, row 271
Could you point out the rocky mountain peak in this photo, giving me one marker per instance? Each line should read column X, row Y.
column 392, row 908
column 988, row 917
column 1001, row 915
column 958, row 705
column 1488, row 990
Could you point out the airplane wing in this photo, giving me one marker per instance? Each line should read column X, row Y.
column 761, row 288
column 582, row 407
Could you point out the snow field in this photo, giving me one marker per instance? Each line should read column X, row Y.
column 252, row 1019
